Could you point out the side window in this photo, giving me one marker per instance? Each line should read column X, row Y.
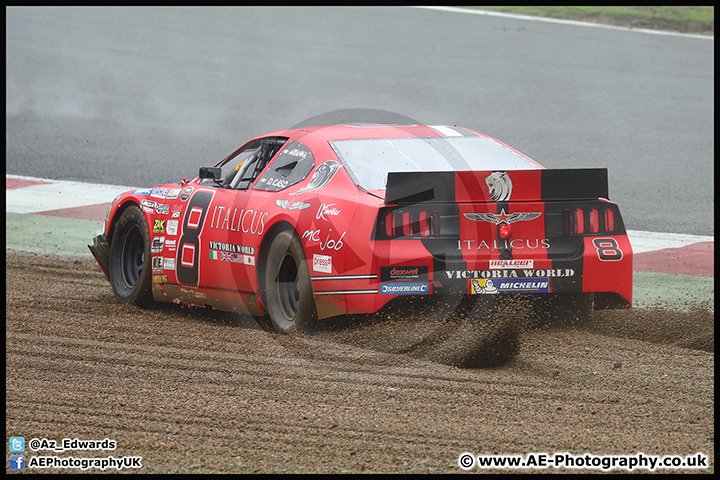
column 240, row 169
column 291, row 166
column 234, row 162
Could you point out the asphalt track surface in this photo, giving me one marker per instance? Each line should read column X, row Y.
column 204, row 392
column 131, row 96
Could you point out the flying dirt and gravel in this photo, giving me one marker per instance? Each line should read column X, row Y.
column 197, row 391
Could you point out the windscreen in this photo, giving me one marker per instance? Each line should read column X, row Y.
column 370, row 160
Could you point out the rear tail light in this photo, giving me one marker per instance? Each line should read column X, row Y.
column 389, row 221
column 609, row 220
column 424, row 222
column 580, row 221
column 594, row 227
column 417, row 222
column 407, row 224
column 436, row 223
column 441, row 221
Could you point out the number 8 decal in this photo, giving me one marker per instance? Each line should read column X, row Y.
column 607, row 249
column 188, row 249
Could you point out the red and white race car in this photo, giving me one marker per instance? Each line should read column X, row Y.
column 315, row 222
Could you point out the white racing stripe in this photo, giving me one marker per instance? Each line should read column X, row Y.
column 57, row 194
column 447, row 131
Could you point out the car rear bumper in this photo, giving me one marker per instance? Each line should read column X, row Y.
column 404, row 268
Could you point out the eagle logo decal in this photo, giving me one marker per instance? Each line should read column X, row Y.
column 502, row 217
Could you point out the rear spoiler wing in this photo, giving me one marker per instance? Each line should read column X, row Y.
column 497, row 186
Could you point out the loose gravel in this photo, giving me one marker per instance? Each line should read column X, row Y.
column 197, row 391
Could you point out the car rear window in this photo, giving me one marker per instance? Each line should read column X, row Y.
column 370, row 160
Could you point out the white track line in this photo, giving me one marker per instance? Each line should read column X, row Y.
column 650, row 241
column 63, row 194
column 473, row 11
column 58, row 194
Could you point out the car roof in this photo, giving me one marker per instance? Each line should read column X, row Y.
column 361, row 131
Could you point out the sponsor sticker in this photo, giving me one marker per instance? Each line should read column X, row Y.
column 482, row 286
column 159, row 192
column 327, row 210
column 501, row 264
column 236, row 220
column 159, row 226
column 157, row 244
column 502, row 217
column 171, row 227
column 499, row 186
column 518, row 273
column 231, row 247
column 176, row 211
column 186, row 194
column 291, row 205
column 322, row 263
column 322, row 176
column 404, row 288
column 416, row 273
column 148, row 206
column 173, row 194
column 157, row 263
column 515, row 244
column 329, row 243
column 169, row 263
column 523, row 285
column 232, row 257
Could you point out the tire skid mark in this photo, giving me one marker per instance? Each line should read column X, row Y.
column 263, row 427
column 172, row 360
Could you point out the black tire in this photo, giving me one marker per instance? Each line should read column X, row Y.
column 288, row 291
column 130, row 272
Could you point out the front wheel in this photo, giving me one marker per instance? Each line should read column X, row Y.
column 130, row 272
column 288, row 291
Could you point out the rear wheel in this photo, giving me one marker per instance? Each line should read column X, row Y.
column 288, row 291
column 130, row 272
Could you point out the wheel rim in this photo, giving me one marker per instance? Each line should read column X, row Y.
column 288, row 289
column 133, row 257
